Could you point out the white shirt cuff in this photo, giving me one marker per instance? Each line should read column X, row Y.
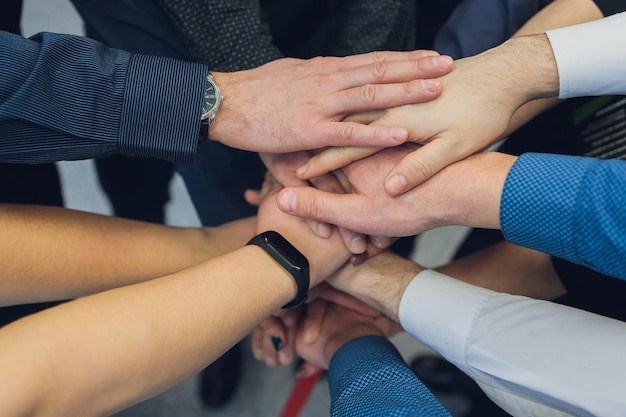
column 591, row 57
column 439, row 311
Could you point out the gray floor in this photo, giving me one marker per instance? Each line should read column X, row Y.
column 263, row 391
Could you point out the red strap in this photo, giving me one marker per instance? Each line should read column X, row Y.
column 300, row 394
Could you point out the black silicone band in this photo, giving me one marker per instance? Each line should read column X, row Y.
column 289, row 258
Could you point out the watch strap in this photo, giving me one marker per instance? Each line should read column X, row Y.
column 289, row 258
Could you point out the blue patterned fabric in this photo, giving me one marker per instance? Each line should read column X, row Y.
column 568, row 206
column 368, row 377
column 65, row 97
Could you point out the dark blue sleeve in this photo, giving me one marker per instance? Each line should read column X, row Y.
column 477, row 25
column 572, row 207
column 368, row 377
column 65, row 97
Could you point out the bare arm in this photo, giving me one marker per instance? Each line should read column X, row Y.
column 146, row 337
column 52, row 253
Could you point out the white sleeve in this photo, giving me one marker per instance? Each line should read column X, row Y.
column 591, row 57
column 531, row 357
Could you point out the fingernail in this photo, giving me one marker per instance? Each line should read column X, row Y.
column 358, row 259
column 396, row 184
column 302, row 170
column 277, row 342
column 324, row 230
column 381, row 241
column 443, row 62
column 288, row 201
column 399, row 134
column 431, row 85
column 358, row 244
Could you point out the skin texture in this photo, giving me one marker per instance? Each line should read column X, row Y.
column 125, row 335
column 291, row 105
column 525, row 62
column 479, row 99
column 466, row 193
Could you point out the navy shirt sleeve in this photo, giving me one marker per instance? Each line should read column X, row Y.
column 368, row 377
column 610, row 7
column 65, row 97
column 477, row 25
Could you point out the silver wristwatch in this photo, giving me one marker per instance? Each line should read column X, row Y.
column 211, row 103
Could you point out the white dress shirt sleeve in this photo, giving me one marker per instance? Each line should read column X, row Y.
column 591, row 57
column 532, row 357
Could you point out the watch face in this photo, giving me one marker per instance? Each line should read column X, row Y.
column 212, row 99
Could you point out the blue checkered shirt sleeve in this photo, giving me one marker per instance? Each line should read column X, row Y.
column 367, row 377
column 568, row 206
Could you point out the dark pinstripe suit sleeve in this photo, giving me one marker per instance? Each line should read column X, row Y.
column 568, row 206
column 65, row 97
column 367, row 377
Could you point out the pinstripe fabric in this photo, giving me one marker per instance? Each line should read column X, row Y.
column 65, row 97
column 569, row 206
column 367, row 377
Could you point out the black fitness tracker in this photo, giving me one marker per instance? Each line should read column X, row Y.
column 289, row 258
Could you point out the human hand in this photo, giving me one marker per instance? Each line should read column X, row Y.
column 291, row 105
column 465, row 193
column 337, row 326
column 325, row 255
column 480, row 97
column 273, row 341
column 283, row 167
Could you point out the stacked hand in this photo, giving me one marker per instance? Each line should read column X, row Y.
column 292, row 105
column 327, row 323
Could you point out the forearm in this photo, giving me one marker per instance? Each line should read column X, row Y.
column 557, row 14
column 52, row 253
column 508, row 268
column 138, row 340
column 379, row 282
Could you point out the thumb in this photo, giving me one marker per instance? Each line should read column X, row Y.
column 311, row 203
column 421, row 165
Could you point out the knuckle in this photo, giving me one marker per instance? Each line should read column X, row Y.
column 368, row 93
column 379, row 69
column 349, row 132
column 419, row 169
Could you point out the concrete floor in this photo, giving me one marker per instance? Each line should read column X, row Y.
column 263, row 391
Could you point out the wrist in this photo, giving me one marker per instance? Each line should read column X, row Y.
column 474, row 198
column 381, row 281
column 533, row 67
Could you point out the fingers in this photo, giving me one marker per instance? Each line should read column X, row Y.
column 355, row 242
column 273, row 342
column 368, row 97
column 311, row 325
column 369, row 58
column 253, row 197
column 321, row 206
column 421, row 164
column 386, row 71
column 333, row 158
